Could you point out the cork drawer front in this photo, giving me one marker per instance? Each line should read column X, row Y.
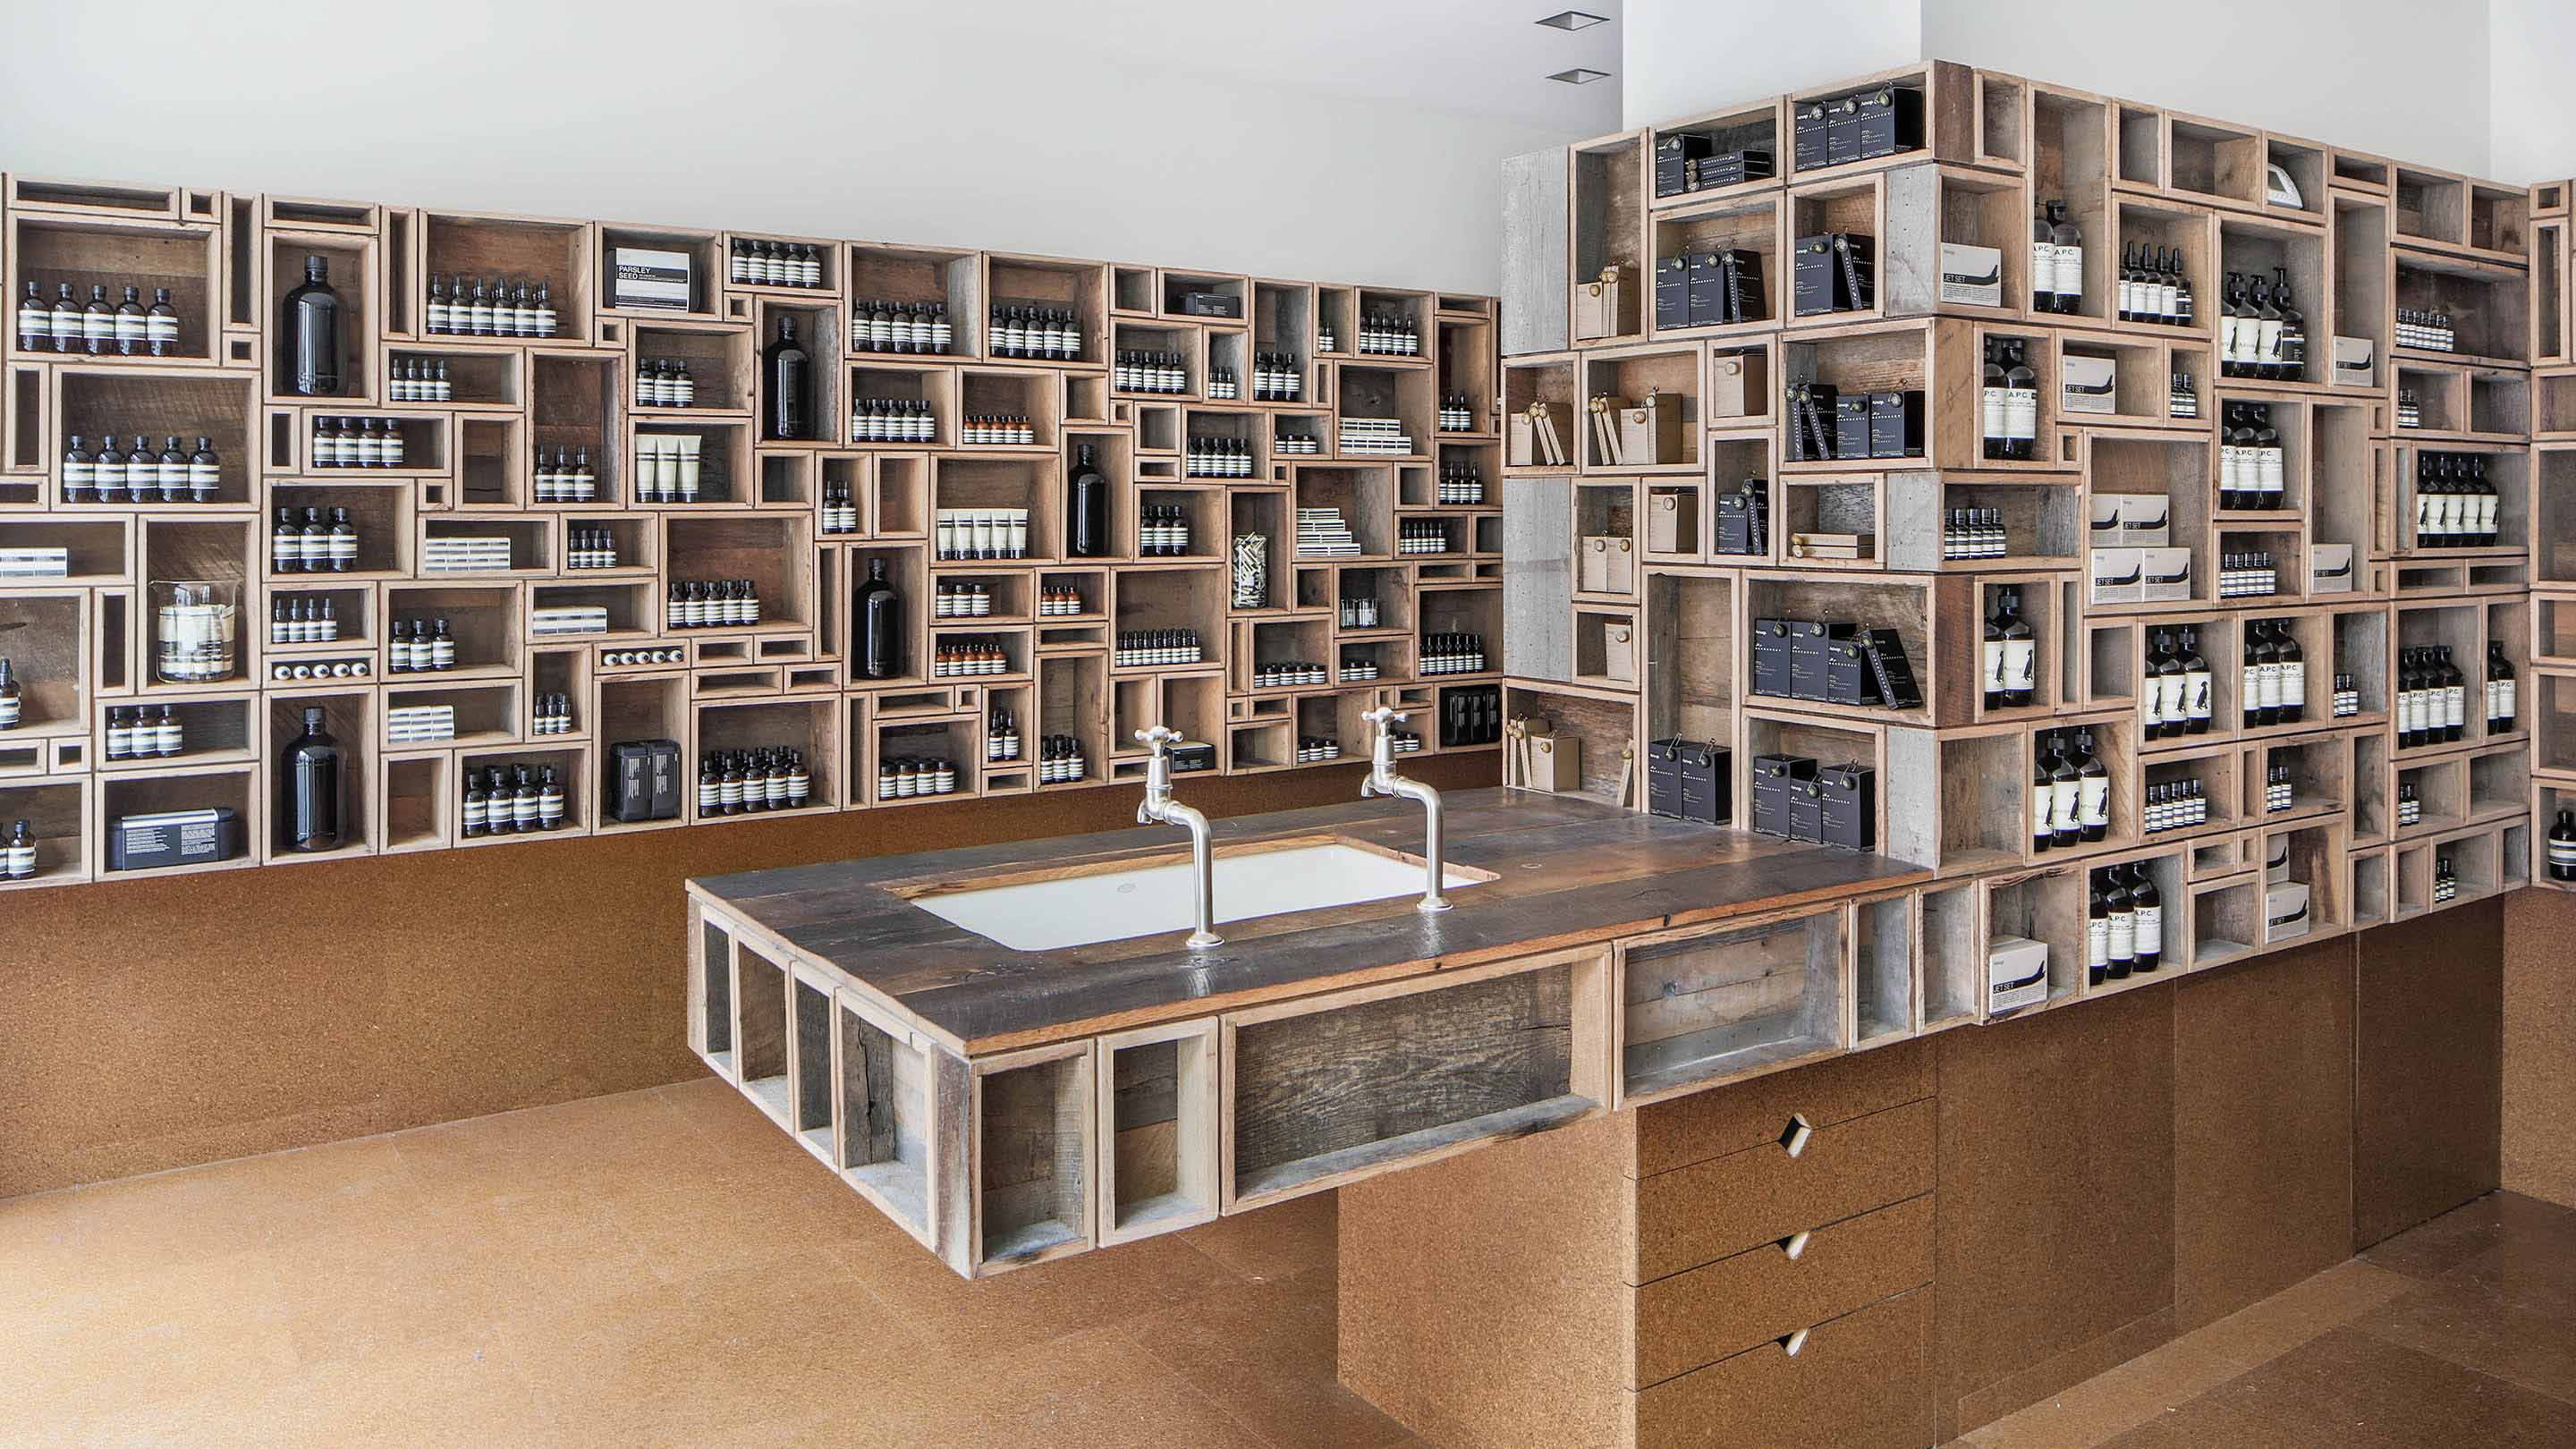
column 1862, row 1381
column 1709, row 1313
column 1727, row 1205
column 1750, row 1114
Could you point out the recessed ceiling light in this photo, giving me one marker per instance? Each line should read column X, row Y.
column 1574, row 20
column 1581, row 75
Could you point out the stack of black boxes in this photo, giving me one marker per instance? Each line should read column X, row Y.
column 1707, row 288
column 1686, row 161
column 1744, row 520
column 1687, row 780
column 1862, row 126
column 1824, row 425
column 1831, row 662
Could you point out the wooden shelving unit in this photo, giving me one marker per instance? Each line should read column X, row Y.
column 763, row 510
column 1857, row 540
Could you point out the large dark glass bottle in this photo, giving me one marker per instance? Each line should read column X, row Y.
column 311, row 366
column 312, row 804
column 878, row 622
column 787, row 375
column 1087, row 512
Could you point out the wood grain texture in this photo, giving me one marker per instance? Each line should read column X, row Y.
column 1308, row 1085
column 1571, row 871
column 2539, row 1045
column 2262, row 1128
column 1504, row 1328
column 2056, row 1194
column 2428, row 1094
column 294, row 1007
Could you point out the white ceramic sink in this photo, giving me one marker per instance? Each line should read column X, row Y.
column 1046, row 914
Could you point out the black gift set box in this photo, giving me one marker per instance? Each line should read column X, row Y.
column 647, row 782
column 1687, row 780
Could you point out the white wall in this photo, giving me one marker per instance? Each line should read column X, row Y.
column 2400, row 77
column 1122, row 129
column 1679, row 57
column 2532, row 109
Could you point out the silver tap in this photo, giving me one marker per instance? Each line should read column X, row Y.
column 1383, row 780
column 1159, row 808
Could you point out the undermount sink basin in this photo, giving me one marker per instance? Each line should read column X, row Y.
column 1048, row 910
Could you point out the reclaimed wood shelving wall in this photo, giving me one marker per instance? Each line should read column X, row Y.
column 1660, row 646
column 82, row 642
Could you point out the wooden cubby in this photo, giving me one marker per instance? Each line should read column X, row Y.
column 562, row 255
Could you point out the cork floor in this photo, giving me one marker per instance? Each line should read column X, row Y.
column 664, row 1267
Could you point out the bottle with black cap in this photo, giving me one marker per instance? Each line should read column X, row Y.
column 312, row 783
column 18, row 860
column 2147, row 932
column 311, row 365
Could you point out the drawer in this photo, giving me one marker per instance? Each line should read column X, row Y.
column 1728, row 1205
column 1751, row 1114
column 1712, row 1312
column 1862, row 1381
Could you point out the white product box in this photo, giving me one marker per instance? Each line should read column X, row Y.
column 2276, row 864
column 2016, row 974
column 1972, row 276
column 2353, row 357
column 642, row 277
column 2285, row 911
column 2102, row 522
column 2329, row 568
column 2165, row 575
column 2116, row 575
column 2146, row 520
column 2088, row 385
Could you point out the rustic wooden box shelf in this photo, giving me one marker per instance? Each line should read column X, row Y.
column 96, row 403
column 560, row 254
column 1739, row 222
column 885, row 1081
column 349, row 715
column 1034, row 1158
column 218, row 730
column 2489, row 304
column 571, row 765
column 1711, row 1004
column 1158, row 1098
column 811, row 727
column 354, row 277
column 758, row 1030
column 99, row 548
column 1755, row 126
column 1056, row 283
column 1690, row 655
column 418, row 797
column 2213, row 161
column 57, row 813
column 774, row 551
column 1884, row 956
column 1333, row 1089
column 2262, row 248
column 1953, row 970
column 116, row 252
column 484, row 619
column 233, row 787
column 2138, row 141
column 707, row 261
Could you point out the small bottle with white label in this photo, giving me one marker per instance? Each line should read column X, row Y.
column 18, row 860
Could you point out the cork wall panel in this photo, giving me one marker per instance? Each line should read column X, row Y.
column 2429, row 1081
column 1504, row 1327
column 2262, row 1128
column 2540, row 1044
column 1691, row 1129
column 2055, row 1202
column 159, row 1023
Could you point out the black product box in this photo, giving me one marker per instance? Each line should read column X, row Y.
column 173, row 837
column 1776, row 780
column 1813, row 277
column 1806, row 813
column 1190, row 755
column 1744, row 521
column 1210, row 304
column 1846, row 795
column 1811, row 421
column 1731, row 169
column 1771, row 656
column 1672, row 292
column 1855, row 270
column 1893, row 671
column 1843, row 132
column 1708, row 296
column 1847, row 674
column 1807, row 136
column 1895, row 425
column 1811, row 641
column 1745, row 299
column 1687, row 780
column 1674, row 154
column 646, row 785
column 1851, row 427
column 1890, row 120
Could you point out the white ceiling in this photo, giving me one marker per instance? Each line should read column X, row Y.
column 1471, row 57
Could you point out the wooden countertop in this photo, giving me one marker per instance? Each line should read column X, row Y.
column 1570, row 872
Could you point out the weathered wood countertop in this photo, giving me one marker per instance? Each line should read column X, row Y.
column 1569, row 872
